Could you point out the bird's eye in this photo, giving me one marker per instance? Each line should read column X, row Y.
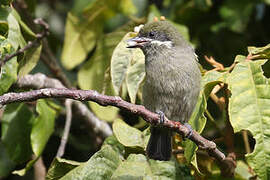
column 151, row 34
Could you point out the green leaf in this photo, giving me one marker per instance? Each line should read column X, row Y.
column 30, row 60
column 135, row 167
column 127, row 135
column 6, row 164
column 120, row 61
column 93, row 75
column 249, row 109
column 43, row 126
column 115, row 144
column 242, row 171
column 59, row 167
column 135, row 74
column 80, row 39
column 14, row 32
column 16, row 128
column 262, row 52
column 127, row 64
column 100, row 166
column 198, row 120
column 8, row 73
column 138, row 167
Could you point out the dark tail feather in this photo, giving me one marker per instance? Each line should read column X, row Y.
column 159, row 146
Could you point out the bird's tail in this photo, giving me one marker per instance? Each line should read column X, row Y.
column 159, row 146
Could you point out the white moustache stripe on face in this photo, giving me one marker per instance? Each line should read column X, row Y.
column 168, row 44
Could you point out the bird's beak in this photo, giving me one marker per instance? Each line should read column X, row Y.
column 137, row 42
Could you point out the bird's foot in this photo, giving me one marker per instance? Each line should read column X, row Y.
column 190, row 130
column 161, row 117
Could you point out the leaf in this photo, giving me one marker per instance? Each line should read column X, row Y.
column 92, row 74
column 6, row 164
column 127, row 64
column 135, row 167
column 59, row 167
column 80, row 39
column 8, row 73
column 100, row 166
column 262, row 52
column 138, row 167
column 198, row 120
column 248, row 109
column 120, row 61
column 115, row 144
column 30, row 60
column 43, row 126
column 135, row 74
column 14, row 32
column 16, row 128
column 127, row 135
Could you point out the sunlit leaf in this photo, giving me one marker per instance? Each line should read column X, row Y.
column 261, row 52
column 100, row 166
column 43, row 126
column 80, row 39
column 248, row 109
column 60, row 167
column 127, row 135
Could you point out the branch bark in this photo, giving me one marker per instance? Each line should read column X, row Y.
column 39, row 80
column 104, row 100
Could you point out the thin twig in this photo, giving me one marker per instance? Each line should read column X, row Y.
column 38, row 81
column 61, row 149
column 30, row 44
column 39, row 169
column 104, row 100
column 246, row 142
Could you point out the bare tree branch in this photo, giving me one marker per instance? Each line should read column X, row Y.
column 30, row 44
column 104, row 100
column 39, row 81
column 61, row 149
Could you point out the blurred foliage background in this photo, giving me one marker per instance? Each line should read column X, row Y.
column 84, row 33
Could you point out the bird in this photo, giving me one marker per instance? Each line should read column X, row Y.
column 172, row 81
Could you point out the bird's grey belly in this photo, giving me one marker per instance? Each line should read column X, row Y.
column 176, row 103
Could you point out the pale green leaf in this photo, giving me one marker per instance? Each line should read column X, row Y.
column 43, row 126
column 127, row 135
column 120, row 61
column 99, row 167
column 137, row 166
column 135, row 74
column 80, row 39
column 14, row 32
column 262, row 52
column 59, row 167
column 249, row 110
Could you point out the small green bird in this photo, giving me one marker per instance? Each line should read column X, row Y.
column 172, row 81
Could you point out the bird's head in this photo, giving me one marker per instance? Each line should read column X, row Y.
column 157, row 35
